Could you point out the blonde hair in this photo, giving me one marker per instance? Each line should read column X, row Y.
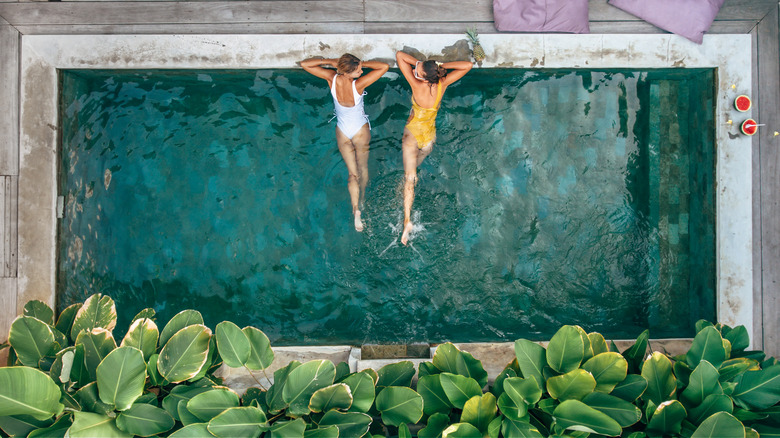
column 347, row 63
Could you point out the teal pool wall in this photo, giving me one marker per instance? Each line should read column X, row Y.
column 552, row 197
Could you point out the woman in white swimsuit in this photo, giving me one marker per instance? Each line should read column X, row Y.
column 353, row 131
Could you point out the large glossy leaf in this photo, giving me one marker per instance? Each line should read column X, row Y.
column 178, row 394
column 244, row 421
column 89, row 425
column 361, row 386
column 399, row 405
column 39, row 310
column 573, row 385
column 576, row 415
column 303, row 381
column 395, row 374
column 348, row 423
column 479, row 411
column 183, row 319
column 322, row 432
column 758, row 389
column 661, row 384
column 209, row 404
column 608, row 369
column 446, row 358
column 459, row 388
column 144, row 420
column 731, row 368
column 89, row 400
column 22, row 425
column 121, row 377
column 597, row 343
column 66, row 318
column 28, row 391
column 464, row 430
column 519, row 429
column 707, row 345
column 435, row 426
column 31, row 339
column 511, row 408
column 531, row 358
column 738, row 336
column 434, row 397
column 719, row 425
column 631, row 388
column 143, row 335
column 56, row 430
column 198, row 430
column 667, row 418
column 636, row 352
column 287, row 429
column 98, row 311
column 498, row 385
column 336, row 396
column 184, row 354
column 274, row 398
column 523, row 390
column 233, row 344
column 261, row 355
column 625, row 413
column 155, row 379
column 565, row 350
column 147, row 313
column 711, row 405
column 97, row 343
column 702, row 382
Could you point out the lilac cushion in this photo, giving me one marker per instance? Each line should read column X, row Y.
column 687, row 18
column 541, row 15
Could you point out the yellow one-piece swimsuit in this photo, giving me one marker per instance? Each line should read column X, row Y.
column 423, row 123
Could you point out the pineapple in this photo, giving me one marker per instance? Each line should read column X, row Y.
column 477, row 51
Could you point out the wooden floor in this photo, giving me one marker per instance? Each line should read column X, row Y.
column 759, row 18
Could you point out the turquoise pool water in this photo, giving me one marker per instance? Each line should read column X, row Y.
column 552, row 197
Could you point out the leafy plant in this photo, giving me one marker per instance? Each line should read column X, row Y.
column 70, row 377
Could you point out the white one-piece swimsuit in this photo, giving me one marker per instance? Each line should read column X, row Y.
column 349, row 118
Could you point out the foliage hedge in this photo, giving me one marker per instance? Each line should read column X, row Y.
column 68, row 377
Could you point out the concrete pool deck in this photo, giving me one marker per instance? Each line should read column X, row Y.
column 42, row 55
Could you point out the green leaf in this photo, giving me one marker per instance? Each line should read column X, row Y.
column 361, row 386
column 721, row 424
column 707, row 345
column 181, row 320
column 98, row 311
column 121, row 377
column 464, row 430
column 287, row 429
column 597, row 343
column 27, row 391
column 155, row 379
column 565, row 350
column 209, row 404
column 636, row 353
column 274, row 397
column 39, row 310
column 531, row 358
column 349, row 424
column 661, row 384
column 66, row 318
column 731, row 368
column 703, row 382
column 435, row 426
column 446, row 358
column 336, row 396
column 90, row 401
column 427, row 369
column 31, row 339
column 184, row 354
column 21, row 425
column 261, row 355
column 739, row 338
column 631, row 388
column 523, row 390
column 179, row 393
column 232, row 344
column 473, row 368
column 608, row 369
column 434, row 398
column 89, row 425
column 399, row 405
column 767, row 431
column 97, row 343
column 404, row 432
column 395, row 374
column 56, row 430
column 576, row 415
column 244, row 421
column 144, row 420
column 572, row 385
column 322, row 432
column 519, row 429
column 625, row 413
column 459, row 388
column 494, row 428
column 667, row 418
column 143, row 335
column 498, row 385
column 758, row 389
column 303, row 381
column 479, row 411
column 512, row 408
column 711, row 405
column 198, row 430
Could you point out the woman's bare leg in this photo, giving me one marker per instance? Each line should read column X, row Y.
column 361, row 142
column 347, row 149
column 412, row 157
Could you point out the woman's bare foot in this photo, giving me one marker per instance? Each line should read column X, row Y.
column 407, row 230
column 358, row 222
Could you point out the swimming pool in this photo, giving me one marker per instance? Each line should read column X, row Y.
column 552, row 197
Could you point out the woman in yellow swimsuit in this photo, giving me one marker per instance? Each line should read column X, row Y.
column 429, row 80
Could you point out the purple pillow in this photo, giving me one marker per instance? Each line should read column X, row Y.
column 541, row 15
column 687, row 18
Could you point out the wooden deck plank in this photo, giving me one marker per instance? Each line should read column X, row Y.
column 600, row 10
column 768, row 113
column 9, row 230
column 757, row 336
column 204, row 28
column 9, row 100
column 143, row 13
column 7, row 306
column 5, row 232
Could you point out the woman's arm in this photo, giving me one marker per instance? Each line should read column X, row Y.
column 459, row 69
column 377, row 70
column 405, row 62
column 314, row 66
